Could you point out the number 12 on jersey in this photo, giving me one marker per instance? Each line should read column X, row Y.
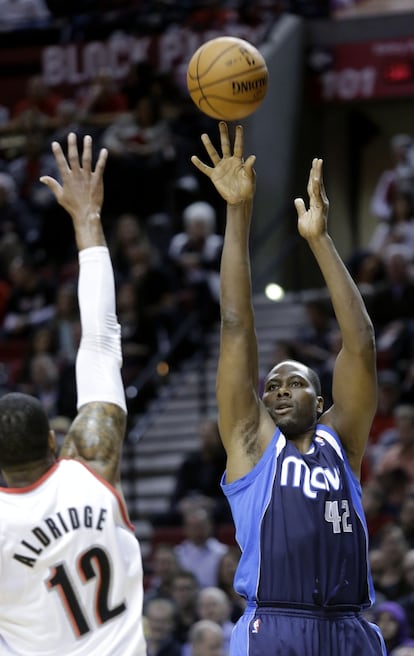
column 93, row 563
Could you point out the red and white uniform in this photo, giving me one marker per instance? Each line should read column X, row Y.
column 70, row 568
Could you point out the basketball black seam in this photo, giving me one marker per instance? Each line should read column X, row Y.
column 223, row 52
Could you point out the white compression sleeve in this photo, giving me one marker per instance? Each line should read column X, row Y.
column 99, row 358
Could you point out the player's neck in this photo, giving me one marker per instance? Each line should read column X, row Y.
column 27, row 474
column 303, row 441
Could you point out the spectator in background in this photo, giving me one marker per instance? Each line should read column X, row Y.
column 404, row 650
column 43, row 383
column 156, row 294
column 388, row 397
column 200, row 552
column 164, row 567
column 213, row 604
column 20, row 226
column 184, row 592
column 65, row 323
column 406, row 519
column 400, row 176
column 195, row 254
column 407, row 599
column 197, row 481
column 16, row 14
column 67, row 119
column 383, row 424
column 160, row 623
column 393, row 546
column 26, row 169
column 367, row 270
column 392, row 620
column 103, row 101
column 31, row 302
column 54, row 226
column 137, row 344
column 398, row 444
column 399, row 228
column 374, row 503
column 392, row 308
column 376, row 562
column 141, row 146
column 127, row 229
column 38, row 106
column 206, row 639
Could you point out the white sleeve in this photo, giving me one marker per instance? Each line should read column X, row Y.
column 99, row 358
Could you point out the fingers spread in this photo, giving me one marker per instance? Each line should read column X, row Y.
column 73, row 155
column 100, row 164
column 201, row 166
column 300, row 206
column 60, row 159
column 212, row 152
column 224, row 139
column 87, row 153
column 238, row 142
column 53, row 184
column 249, row 163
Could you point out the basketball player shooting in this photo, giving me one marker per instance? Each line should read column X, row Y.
column 70, row 565
column 292, row 476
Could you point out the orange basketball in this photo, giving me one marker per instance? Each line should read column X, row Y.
column 227, row 78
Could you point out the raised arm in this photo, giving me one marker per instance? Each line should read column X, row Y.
column 97, row 432
column 240, row 410
column 354, row 379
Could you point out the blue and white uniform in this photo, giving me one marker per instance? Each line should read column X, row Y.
column 304, row 566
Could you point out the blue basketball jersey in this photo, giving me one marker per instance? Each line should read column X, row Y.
column 304, row 568
column 301, row 528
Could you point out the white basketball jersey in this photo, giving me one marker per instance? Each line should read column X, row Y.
column 70, row 568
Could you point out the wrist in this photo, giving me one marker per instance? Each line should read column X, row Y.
column 88, row 230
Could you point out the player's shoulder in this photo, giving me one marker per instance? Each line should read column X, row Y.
column 67, row 464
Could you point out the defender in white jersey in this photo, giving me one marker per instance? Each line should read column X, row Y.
column 70, row 564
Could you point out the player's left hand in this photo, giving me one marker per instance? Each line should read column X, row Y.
column 313, row 222
column 234, row 178
column 81, row 191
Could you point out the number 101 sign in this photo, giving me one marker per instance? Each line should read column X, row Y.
column 362, row 71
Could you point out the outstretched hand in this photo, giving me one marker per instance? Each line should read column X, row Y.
column 313, row 222
column 81, row 191
column 234, row 178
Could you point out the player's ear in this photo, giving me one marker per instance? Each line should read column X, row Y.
column 319, row 404
column 52, row 441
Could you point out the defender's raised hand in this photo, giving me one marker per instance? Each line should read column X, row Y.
column 234, row 178
column 313, row 222
column 81, row 191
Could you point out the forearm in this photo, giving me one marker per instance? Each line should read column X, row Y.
column 350, row 311
column 99, row 359
column 235, row 275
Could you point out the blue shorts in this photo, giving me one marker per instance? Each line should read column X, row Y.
column 295, row 632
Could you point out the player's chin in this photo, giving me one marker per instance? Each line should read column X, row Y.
column 285, row 425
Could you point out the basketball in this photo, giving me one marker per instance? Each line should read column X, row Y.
column 227, row 78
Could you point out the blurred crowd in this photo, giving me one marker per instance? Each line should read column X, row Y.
column 164, row 236
column 164, row 231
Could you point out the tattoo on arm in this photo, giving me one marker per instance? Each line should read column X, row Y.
column 96, row 437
